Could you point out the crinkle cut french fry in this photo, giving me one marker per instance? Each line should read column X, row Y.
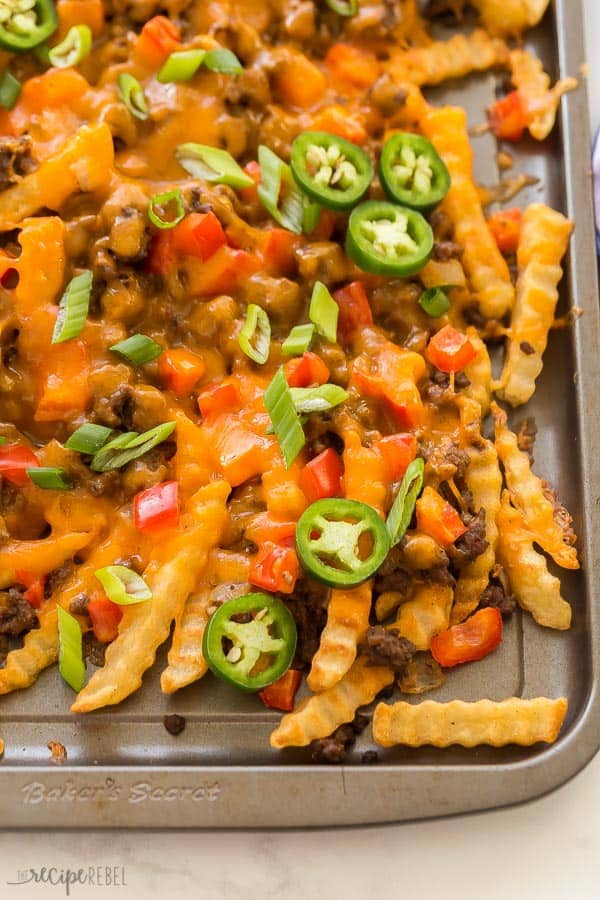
column 39, row 650
column 528, row 495
column 425, row 614
column 318, row 716
column 509, row 16
column 442, row 60
column 544, row 240
column 1, row 747
column 83, row 163
column 536, row 590
column 512, row 721
column 484, row 481
column 486, row 268
column 171, row 575
column 479, row 373
column 533, row 84
column 41, row 557
column 348, row 610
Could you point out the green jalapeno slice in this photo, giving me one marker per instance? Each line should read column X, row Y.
column 250, row 641
column 341, row 542
column 330, row 170
column 24, row 24
column 412, row 172
column 386, row 239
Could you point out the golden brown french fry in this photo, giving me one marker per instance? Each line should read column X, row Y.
column 528, row 495
column 1, row 747
column 544, row 240
column 509, row 16
column 171, row 575
column 39, row 650
column 533, row 84
column 479, row 373
column 535, row 588
column 318, row 716
column 512, row 721
column 484, row 480
column 425, row 615
column 40, row 557
column 442, row 60
column 83, row 163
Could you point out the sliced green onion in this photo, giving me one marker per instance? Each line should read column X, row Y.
column 181, row 66
column 73, row 308
column 122, row 585
column 435, row 301
column 343, row 7
column 127, row 447
column 324, row 312
column 162, row 201
column 311, row 215
column 284, row 418
column 278, row 191
column 255, row 336
column 10, row 88
column 137, row 349
column 403, row 506
column 88, row 438
column 132, row 94
column 317, row 399
column 50, row 478
column 73, row 48
column 3, row 440
column 70, row 650
column 212, row 164
column 223, row 61
column 298, row 340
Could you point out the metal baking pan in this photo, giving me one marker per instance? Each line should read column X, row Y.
column 123, row 767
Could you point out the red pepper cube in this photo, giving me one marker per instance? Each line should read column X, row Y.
column 15, row 459
column 437, row 518
column 105, row 616
column 306, row 371
column 505, row 226
column 469, row 641
column 450, row 350
column 275, row 569
column 322, row 476
column 157, row 40
column 282, row 693
column 220, row 397
column 180, row 370
column 35, row 586
column 199, row 235
column 508, row 117
column 397, row 452
column 355, row 311
column 157, row 508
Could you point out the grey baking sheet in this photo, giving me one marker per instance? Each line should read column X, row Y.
column 124, row 769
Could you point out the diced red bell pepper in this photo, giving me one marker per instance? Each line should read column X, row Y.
column 322, row 476
column 282, row 693
column 505, row 225
column 161, row 256
column 250, row 194
column 264, row 528
column 450, row 350
column 199, row 235
column 508, row 117
column 180, row 370
column 219, row 397
column 105, row 616
column 157, row 508
column 35, row 585
column 392, row 375
column 157, row 40
column 355, row 312
column 469, row 641
column 397, row 451
column 307, row 370
column 438, row 519
column 275, row 569
column 223, row 273
column 279, row 252
column 338, row 120
column 14, row 460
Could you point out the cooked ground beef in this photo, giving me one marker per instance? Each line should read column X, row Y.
column 495, row 596
column 15, row 159
column 174, row 724
column 526, row 348
column 438, row 575
column 308, row 606
column 441, row 223
column 440, row 383
column 369, row 757
column 333, row 749
column 385, row 647
column 79, row 605
column 472, row 316
column 445, row 250
column 57, row 577
column 472, row 543
column 16, row 615
column 94, row 651
column 526, row 436
column 445, row 460
column 561, row 516
column 391, row 576
column 4, row 648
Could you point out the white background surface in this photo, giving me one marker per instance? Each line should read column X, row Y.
column 548, row 849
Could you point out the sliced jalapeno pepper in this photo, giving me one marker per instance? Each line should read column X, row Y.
column 250, row 653
column 330, row 542
column 330, row 170
column 386, row 239
column 412, row 172
column 25, row 24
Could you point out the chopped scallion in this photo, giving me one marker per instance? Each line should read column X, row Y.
column 284, row 418
column 137, row 349
column 212, row 164
column 132, row 94
column 73, row 308
column 324, row 312
column 10, row 88
column 298, row 340
column 123, row 449
column 403, row 506
column 163, row 203
column 74, row 47
column 88, row 438
column 255, row 335
column 311, row 215
column 181, row 66
column 317, row 399
column 435, row 302
column 123, row 586
column 223, row 61
column 49, row 478
column 278, row 191
column 343, row 7
column 70, row 650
